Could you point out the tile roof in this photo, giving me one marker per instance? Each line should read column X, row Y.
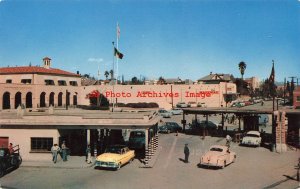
column 35, row 69
column 218, row 77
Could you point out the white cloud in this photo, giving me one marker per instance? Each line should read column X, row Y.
column 96, row 60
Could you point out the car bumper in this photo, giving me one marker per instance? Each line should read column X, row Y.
column 106, row 164
column 250, row 144
column 210, row 164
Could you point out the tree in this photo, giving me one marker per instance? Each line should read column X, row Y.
column 97, row 99
column 161, row 80
column 106, row 73
column 111, row 74
column 134, row 80
column 242, row 68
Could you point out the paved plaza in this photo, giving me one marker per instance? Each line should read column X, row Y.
column 254, row 168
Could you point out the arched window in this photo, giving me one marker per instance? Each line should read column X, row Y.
column 51, row 99
column 75, row 99
column 29, row 100
column 18, row 99
column 60, row 96
column 6, row 101
column 43, row 99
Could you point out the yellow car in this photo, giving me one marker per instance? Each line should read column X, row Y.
column 115, row 157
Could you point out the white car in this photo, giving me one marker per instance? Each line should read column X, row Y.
column 164, row 113
column 252, row 138
column 181, row 105
column 176, row 111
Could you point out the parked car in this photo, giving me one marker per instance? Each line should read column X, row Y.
column 9, row 160
column 201, row 104
column 252, row 138
column 170, row 127
column 115, row 157
column 192, row 104
column 218, row 156
column 176, row 111
column 181, row 105
column 137, row 140
column 204, row 124
column 164, row 113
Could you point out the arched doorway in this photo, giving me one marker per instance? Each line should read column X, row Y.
column 6, row 101
column 29, row 100
column 43, row 99
column 60, row 96
column 18, row 99
column 51, row 99
column 75, row 99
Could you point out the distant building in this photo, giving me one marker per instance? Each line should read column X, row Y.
column 34, row 86
column 216, row 78
column 253, row 82
column 296, row 98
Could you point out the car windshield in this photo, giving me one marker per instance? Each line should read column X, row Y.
column 216, row 149
column 137, row 134
column 252, row 135
column 114, row 149
column 1, row 153
column 170, row 123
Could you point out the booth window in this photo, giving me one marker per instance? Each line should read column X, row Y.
column 298, row 99
column 41, row 144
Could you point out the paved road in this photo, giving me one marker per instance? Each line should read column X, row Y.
column 254, row 168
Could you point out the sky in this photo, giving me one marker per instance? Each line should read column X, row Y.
column 169, row 38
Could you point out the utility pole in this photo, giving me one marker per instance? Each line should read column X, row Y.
column 284, row 85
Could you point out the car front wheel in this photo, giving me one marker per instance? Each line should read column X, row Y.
column 224, row 163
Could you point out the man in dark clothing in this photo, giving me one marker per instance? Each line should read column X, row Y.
column 186, row 153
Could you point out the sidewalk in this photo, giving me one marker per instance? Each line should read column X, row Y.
column 74, row 162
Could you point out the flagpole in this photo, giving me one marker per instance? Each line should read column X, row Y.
column 117, row 74
column 113, row 100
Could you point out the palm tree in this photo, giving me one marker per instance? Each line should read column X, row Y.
column 106, row 73
column 111, row 74
column 242, row 67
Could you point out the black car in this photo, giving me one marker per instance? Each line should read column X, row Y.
column 170, row 127
column 9, row 160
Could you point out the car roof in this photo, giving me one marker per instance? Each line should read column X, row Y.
column 253, row 132
column 219, row 146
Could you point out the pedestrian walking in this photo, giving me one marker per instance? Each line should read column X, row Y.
column 64, row 151
column 186, row 153
column 88, row 154
column 55, row 150
column 11, row 148
column 228, row 140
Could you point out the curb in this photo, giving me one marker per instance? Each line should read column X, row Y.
column 58, row 167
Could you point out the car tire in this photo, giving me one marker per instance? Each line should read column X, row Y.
column 2, row 170
column 234, row 159
column 19, row 162
column 223, row 166
column 119, row 166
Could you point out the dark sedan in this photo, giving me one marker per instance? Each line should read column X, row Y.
column 170, row 127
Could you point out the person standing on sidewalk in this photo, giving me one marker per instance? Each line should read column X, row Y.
column 55, row 150
column 186, row 153
column 64, row 151
column 88, row 154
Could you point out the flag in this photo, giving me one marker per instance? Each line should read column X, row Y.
column 272, row 76
column 272, row 81
column 118, row 31
column 118, row 54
